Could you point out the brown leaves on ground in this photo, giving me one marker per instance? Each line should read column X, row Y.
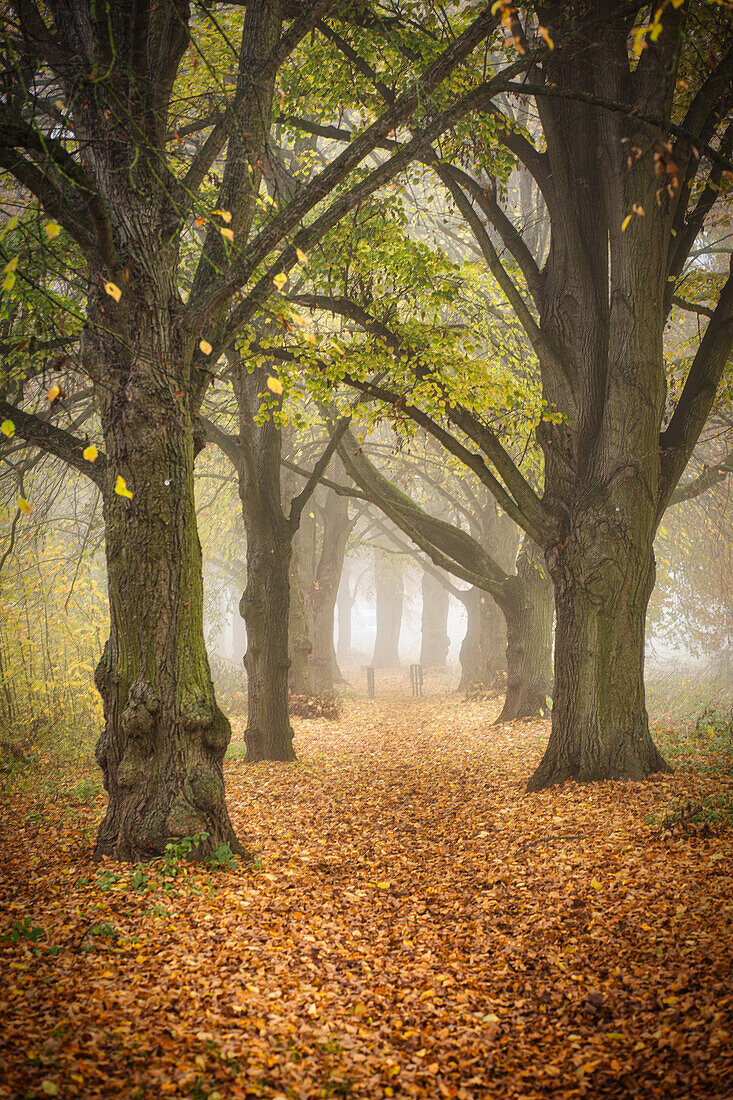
column 419, row 926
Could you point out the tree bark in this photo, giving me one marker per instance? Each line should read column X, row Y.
column 390, row 595
column 434, row 622
column 483, row 650
column 345, row 604
column 528, row 607
column 299, row 644
column 336, row 530
column 164, row 738
column 600, row 728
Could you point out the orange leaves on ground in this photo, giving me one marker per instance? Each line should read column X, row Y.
column 416, row 926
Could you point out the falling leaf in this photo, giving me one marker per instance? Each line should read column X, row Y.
column 8, row 428
column 301, row 255
column 113, row 290
column 625, row 223
column 54, row 393
column 280, row 280
column 227, row 233
column 205, row 347
column 90, row 453
column 25, row 506
column 121, row 488
column 275, row 385
column 224, row 214
column 546, row 35
column 201, row 220
column 52, row 230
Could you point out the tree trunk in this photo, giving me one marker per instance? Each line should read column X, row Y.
column 299, row 646
column 600, row 728
column 483, row 650
column 345, row 603
column 164, row 738
column 528, row 609
column 390, row 594
column 265, row 607
column 336, row 531
column 434, row 621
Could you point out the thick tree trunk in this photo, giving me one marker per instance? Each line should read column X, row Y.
column 265, row 607
column 483, row 650
column 528, row 607
column 434, row 622
column 600, row 728
column 390, row 595
column 336, row 530
column 164, row 739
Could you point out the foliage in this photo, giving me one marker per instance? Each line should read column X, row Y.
column 415, row 927
column 315, row 706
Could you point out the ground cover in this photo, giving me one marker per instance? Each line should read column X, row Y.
column 415, row 925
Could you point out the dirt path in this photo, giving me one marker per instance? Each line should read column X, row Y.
column 419, row 926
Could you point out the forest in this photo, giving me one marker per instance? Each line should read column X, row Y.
column 366, row 549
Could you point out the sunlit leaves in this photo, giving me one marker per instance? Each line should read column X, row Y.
column 280, row 280
column 275, row 385
column 25, row 506
column 121, row 488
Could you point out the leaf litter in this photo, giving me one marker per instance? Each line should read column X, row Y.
column 415, row 925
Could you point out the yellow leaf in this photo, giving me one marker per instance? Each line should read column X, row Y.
column 275, row 385
column 113, row 290
column 309, row 337
column 546, row 35
column 228, row 233
column 625, row 223
column 8, row 428
column 121, row 488
column 383, row 885
column 52, row 230
column 10, row 265
column 25, row 506
column 49, row 1088
column 301, row 255
column 9, row 281
column 53, row 393
column 206, row 347
column 280, row 280
column 90, row 453
column 223, row 214
column 671, row 1000
column 596, row 884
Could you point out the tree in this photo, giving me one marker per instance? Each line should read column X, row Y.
column 637, row 144
column 95, row 125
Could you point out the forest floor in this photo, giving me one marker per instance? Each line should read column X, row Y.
column 415, row 925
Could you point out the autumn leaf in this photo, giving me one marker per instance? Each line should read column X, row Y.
column 546, row 35
column 205, row 347
column 301, row 255
column 54, row 393
column 280, row 280
column 275, row 385
column 52, row 230
column 625, row 223
column 121, row 488
column 25, row 506
column 8, row 428
column 113, row 290
column 90, row 453
column 228, row 234
column 225, row 215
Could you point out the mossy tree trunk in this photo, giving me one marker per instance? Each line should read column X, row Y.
column 164, row 737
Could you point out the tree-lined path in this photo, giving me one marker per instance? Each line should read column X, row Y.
column 416, row 925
